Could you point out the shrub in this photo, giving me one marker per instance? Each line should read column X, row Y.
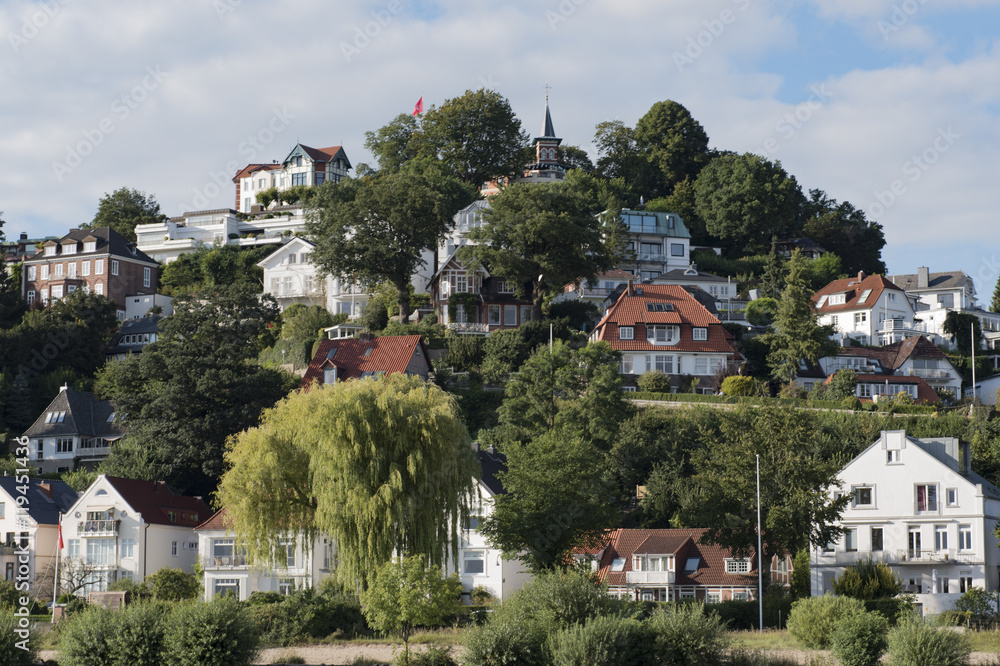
column 86, row 638
column 433, row 656
column 812, row 620
column 800, row 575
column 739, row 385
column 604, row 641
column 173, row 585
column 914, row 643
column 859, row 639
column 738, row 615
column 793, row 391
column 283, row 620
column 868, row 580
column 508, row 639
column 654, row 381
column 762, row 311
column 138, row 639
column 978, row 606
column 687, row 635
column 11, row 652
column 137, row 591
column 217, row 633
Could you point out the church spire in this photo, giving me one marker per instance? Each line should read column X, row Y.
column 548, row 131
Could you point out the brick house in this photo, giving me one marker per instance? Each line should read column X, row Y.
column 97, row 261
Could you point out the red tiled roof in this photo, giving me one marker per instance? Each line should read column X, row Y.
column 218, row 521
column 686, row 312
column 153, row 499
column 252, row 168
column 323, row 154
column 683, row 545
column 853, row 288
column 355, row 356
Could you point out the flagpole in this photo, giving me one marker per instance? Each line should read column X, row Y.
column 760, row 556
column 55, row 583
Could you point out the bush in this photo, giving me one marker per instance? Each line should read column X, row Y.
column 977, row 606
column 508, row 639
column 217, row 633
column 604, row 641
column 859, row 639
column 654, row 381
column 11, row 653
column 740, row 386
column 138, row 639
column 433, row 656
column 137, row 591
column 812, row 620
column 173, row 585
column 87, row 638
column 914, row 643
column 762, row 311
column 738, row 615
column 687, row 635
column 284, row 620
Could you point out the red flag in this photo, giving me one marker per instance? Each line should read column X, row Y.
column 60, row 537
column 418, row 108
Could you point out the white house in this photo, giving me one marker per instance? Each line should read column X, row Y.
column 479, row 563
column 29, row 526
column 291, row 277
column 868, row 309
column 124, row 528
column 227, row 570
column 303, row 166
column 916, row 505
column 75, row 430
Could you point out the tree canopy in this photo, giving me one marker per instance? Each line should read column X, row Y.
column 382, row 466
column 123, row 209
column 195, row 386
column 376, row 228
column 216, row 265
column 675, row 144
column 845, row 231
column 543, row 237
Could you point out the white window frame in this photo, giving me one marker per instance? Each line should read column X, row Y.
column 856, row 492
column 114, row 267
column 98, row 267
column 965, row 538
column 626, row 332
column 699, row 333
column 469, row 556
column 84, row 268
column 146, row 276
column 662, row 334
column 737, row 566
column 494, row 315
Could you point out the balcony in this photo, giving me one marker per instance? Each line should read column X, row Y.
column 649, row 577
column 467, row 327
column 94, row 528
column 929, row 373
column 900, row 325
column 223, row 561
column 860, row 368
column 950, row 556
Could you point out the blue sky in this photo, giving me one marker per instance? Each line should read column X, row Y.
column 164, row 96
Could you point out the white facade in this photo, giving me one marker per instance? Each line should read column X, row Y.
column 137, row 307
column 303, row 166
column 104, row 533
column 29, row 527
column 291, row 277
column 888, row 319
column 916, row 506
column 227, row 571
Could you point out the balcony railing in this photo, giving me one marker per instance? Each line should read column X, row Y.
column 929, row 373
column 901, row 325
column 653, row 577
column 98, row 527
column 866, row 368
column 212, row 562
column 468, row 327
column 902, row 557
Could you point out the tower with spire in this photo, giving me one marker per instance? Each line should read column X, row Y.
column 546, row 167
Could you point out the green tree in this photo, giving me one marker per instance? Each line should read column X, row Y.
column 218, row 633
column 477, row 136
column 746, row 199
column 619, row 158
column 195, row 386
column 542, row 238
column 843, row 385
column 681, row 201
column 845, row 231
column 824, row 270
column 304, row 323
column 801, row 584
column 383, row 467
column 11, row 306
column 173, row 585
column 408, row 594
column 796, row 336
column 800, row 465
column 995, row 301
column 123, row 209
column 398, row 142
column 762, row 312
column 963, row 329
column 574, row 157
column 18, row 412
column 674, row 143
column 531, row 522
column 376, row 228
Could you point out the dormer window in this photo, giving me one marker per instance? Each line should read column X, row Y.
column 90, row 246
column 700, row 333
column 837, row 299
column 662, row 334
column 69, row 248
column 737, row 566
column 50, row 251
column 626, row 333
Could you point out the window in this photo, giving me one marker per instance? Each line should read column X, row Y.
column 676, row 249
column 474, row 562
column 664, row 364
column 713, row 597
column 626, row 367
column 31, row 273
column 927, row 497
column 661, row 335
column 472, row 523
column 289, row 546
column 913, row 542
column 50, row 251
column 505, row 287
column 860, row 318
column 917, row 585
column 247, row 203
column 892, row 456
column 851, row 539
column 940, row 537
column 57, row 291
column 71, row 269
column 173, row 548
column 98, row 267
column 99, row 288
column 943, row 585
column 90, row 246
column 286, row 585
column 525, row 313
column 737, row 566
column 864, row 295
column 300, row 178
column 128, row 548
column 227, row 587
column 45, row 272
column 965, row 537
column 700, row 333
column 100, row 551
column 494, row 315
column 146, row 276
column 64, row 445
column 510, row 315
column 837, row 299
column 73, row 548
column 31, row 296
column 84, row 268
column 319, row 177
column 965, row 582
column 618, row 564
column 626, row 333
column 3, row 511
column 114, row 267
column 876, row 538
column 951, row 497
column 701, row 365
column 863, row 496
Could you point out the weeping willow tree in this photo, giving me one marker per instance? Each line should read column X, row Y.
column 381, row 466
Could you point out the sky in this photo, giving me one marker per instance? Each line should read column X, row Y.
column 893, row 105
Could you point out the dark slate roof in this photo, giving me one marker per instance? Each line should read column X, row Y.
column 42, row 509
column 492, row 462
column 548, row 131
column 85, row 415
column 946, row 280
column 141, row 326
column 108, row 241
column 154, row 499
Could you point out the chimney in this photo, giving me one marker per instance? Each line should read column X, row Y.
column 366, row 336
column 475, row 447
column 63, row 388
column 861, row 276
column 630, row 290
column 923, row 277
column 45, row 488
column 24, row 235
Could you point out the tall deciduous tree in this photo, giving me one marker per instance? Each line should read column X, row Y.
column 125, row 208
column 746, row 199
column 376, row 228
column 675, row 144
column 964, row 329
column 844, row 230
column 796, row 336
column 798, row 465
column 545, row 236
column 383, row 467
column 195, row 386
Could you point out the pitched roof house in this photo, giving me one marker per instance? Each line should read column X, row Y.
column 29, row 527
column 665, row 328
column 868, row 309
column 368, row 356
column 304, row 165
column 671, row 565
column 125, row 528
column 75, row 430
